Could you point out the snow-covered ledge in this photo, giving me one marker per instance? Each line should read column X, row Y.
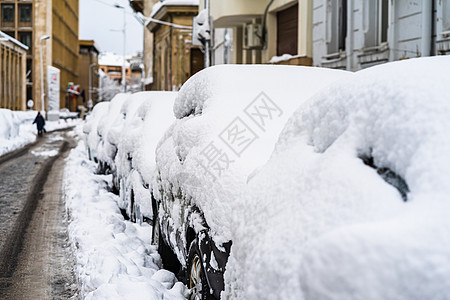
column 288, row 59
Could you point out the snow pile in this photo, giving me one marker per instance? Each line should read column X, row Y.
column 228, row 120
column 17, row 130
column 148, row 116
column 9, row 126
column 115, row 259
column 321, row 224
column 281, row 58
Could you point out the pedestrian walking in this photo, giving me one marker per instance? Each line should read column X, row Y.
column 40, row 123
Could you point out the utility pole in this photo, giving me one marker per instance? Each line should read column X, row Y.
column 43, row 107
column 124, row 80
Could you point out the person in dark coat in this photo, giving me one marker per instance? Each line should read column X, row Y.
column 40, row 122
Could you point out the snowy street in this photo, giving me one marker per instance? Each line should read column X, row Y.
column 35, row 255
column 70, row 241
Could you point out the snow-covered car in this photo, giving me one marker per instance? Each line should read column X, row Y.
column 118, row 136
column 228, row 120
column 353, row 203
column 90, row 128
column 106, row 151
column 149, row 116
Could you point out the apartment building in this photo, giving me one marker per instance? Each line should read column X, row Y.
column 353, row 34
column 13, row 57
column 175, row 59
column 29, row 21
column 88, row 72
column 265, row 31
column 145, row 7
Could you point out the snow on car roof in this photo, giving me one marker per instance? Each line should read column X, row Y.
column 148, row 114
column 105, row 149
column 90, row 127
column 157, row 115
column 229, row 118
column 320, row 223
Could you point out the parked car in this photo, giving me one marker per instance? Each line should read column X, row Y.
column 149, row 116
column 353, row 203
column 228, row 120
column 90, row 128
column 106, row 151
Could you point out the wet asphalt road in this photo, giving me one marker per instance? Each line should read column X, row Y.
column 35, row 256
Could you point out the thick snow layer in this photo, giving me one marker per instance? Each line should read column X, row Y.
column 228, row 120
column 108, row 126
column 17, row 130
column 147, row 116
column 115, row 259
column 158, row 5
column 284, row 57
column 90, row 127
column 320, row 224
column 112, row 59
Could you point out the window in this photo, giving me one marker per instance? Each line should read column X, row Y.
column 25, row 13
column 7, row 13
column 10, row 33
column 25, row 38
column 336, row 25
column 376, row 22
column 445, row 15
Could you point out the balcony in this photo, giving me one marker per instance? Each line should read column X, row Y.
column 232, row 13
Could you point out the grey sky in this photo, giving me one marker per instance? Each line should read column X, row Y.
column 98, row 17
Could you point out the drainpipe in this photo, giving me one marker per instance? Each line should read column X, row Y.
column 264, row 25
column 427, row 12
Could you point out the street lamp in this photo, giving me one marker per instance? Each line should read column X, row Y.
column 124, row 80
column 44, row 37
column 90, row 85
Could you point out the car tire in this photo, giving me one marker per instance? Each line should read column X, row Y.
column 196, row 280
column 168, row 258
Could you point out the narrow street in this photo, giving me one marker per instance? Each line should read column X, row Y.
column 35, row 261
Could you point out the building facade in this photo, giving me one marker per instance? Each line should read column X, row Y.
column 352, row 35
column 88, row 74
column 111, row 64
column 145, row 7
column 262, row 30
column 30, row 20
column 13, row 58
column 175, row 59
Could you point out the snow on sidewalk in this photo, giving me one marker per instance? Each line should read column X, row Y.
column 17, row 128
column 115, row 258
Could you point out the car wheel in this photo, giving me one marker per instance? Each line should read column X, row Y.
column 168, row 258
column 197, row 277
